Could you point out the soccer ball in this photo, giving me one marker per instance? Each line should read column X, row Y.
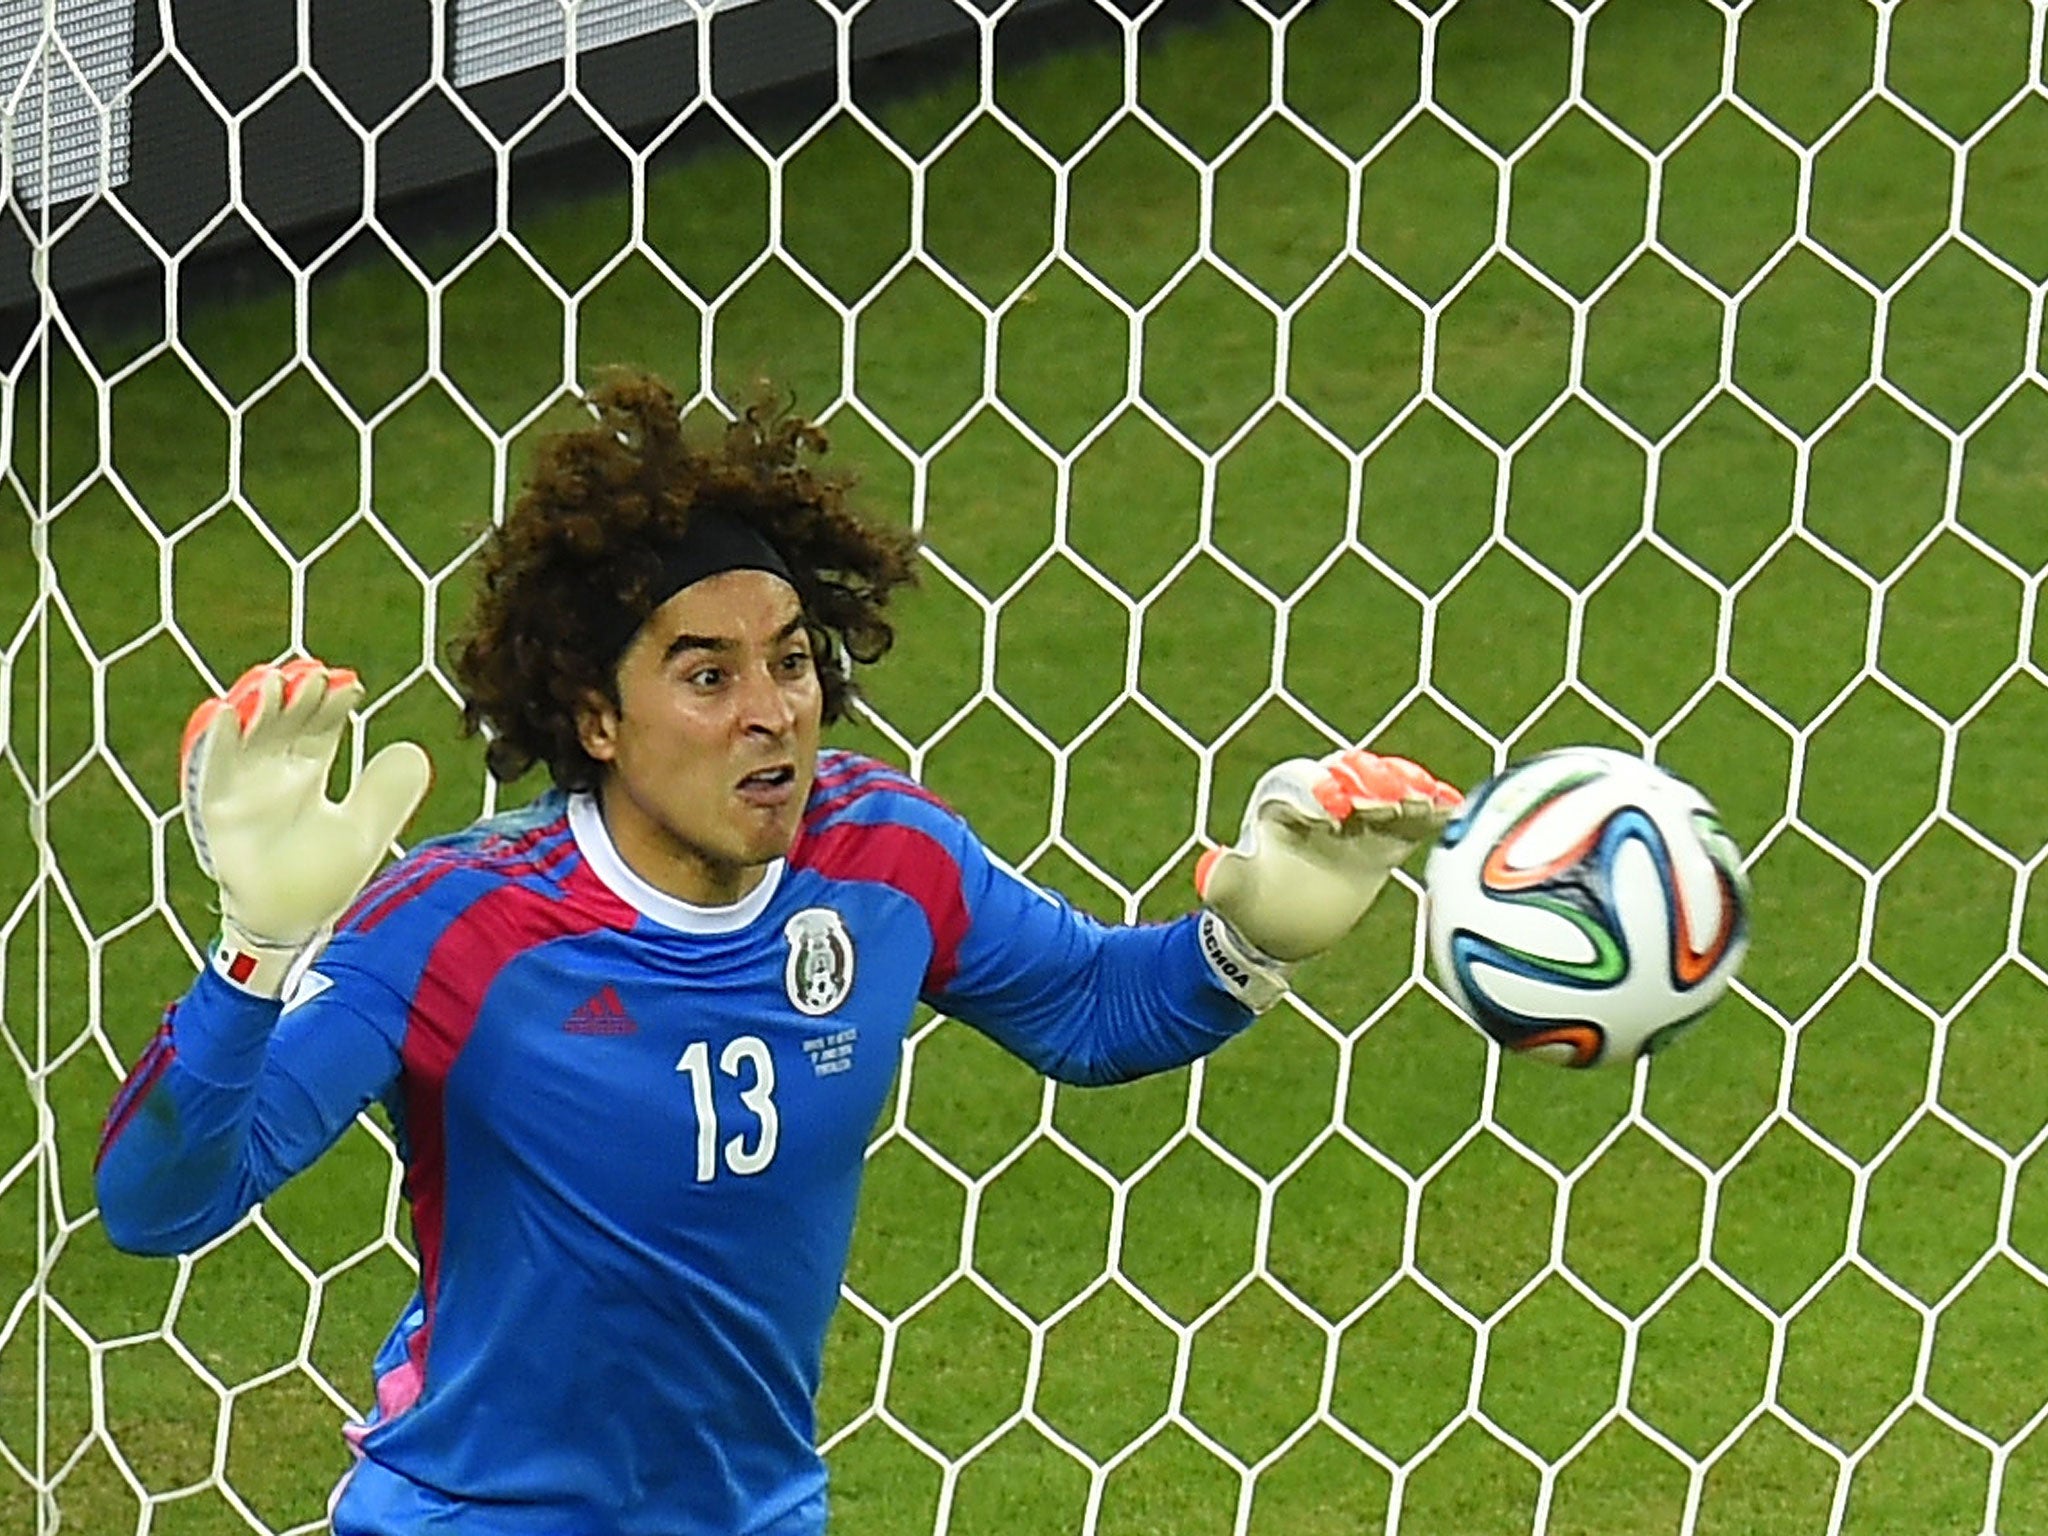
column 1585, row 907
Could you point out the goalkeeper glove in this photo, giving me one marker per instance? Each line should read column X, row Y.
column 1318, row 842
column 288, row 860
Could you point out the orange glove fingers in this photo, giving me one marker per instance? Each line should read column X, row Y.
column 245, row 696
column 1358, row 777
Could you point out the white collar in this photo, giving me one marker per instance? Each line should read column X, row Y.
column 586, row 823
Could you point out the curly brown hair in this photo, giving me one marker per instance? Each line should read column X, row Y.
column 577, row 549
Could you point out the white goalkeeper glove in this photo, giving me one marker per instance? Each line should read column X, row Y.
column 288, row 860
column 1318, row 842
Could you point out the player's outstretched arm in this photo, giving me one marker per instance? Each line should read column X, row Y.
column 233, row 1096
column 1088, row 1003
column 1320, row 838
column 288, row 860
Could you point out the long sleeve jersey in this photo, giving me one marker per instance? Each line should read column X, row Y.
column 633, row 1133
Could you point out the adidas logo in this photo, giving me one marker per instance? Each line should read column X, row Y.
column 600, row 1014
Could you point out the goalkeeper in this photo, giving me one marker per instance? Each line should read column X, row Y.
column 633, row 1037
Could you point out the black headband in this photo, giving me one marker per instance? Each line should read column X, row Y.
column 712, row 543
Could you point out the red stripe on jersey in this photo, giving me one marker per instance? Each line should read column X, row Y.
column 150, row 1066
column 842, row 771
column 842, row 767
column 821, row 808
column 906, row 860
column 400, row 877
column 409, row 877
column 409, row 880
column 493, row 931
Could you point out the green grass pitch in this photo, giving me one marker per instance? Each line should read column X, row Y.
column 1815, row 1260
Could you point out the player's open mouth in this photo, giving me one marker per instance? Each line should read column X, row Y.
column 768, row 787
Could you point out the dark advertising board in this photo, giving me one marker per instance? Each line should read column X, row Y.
column 210, row 119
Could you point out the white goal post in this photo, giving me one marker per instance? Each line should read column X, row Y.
column 1264, row 376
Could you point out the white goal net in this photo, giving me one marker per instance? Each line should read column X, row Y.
column 1460, row 378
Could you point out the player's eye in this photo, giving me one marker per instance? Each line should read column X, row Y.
column 706, row 677
column 797, row 662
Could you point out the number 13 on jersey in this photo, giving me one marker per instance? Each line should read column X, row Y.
column 745, row 1058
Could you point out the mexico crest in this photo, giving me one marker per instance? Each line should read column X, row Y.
column 819, row 972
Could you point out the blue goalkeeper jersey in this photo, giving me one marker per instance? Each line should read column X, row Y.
column 633, row 1133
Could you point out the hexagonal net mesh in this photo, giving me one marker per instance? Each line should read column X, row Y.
column 1463, row 379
